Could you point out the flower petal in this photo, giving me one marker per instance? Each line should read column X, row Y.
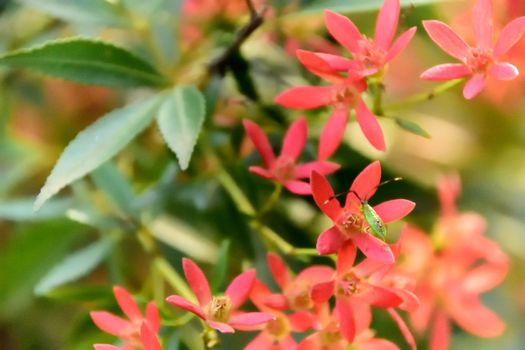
column 322, row 292
column 127, row 303
column 369, row 126
column 346, row 257
column 109, row 323
column 386, row 24
column 343, row 30
column 303, row 171
column 153, row 317
column 148, row 338
column 365, row 184
column 317, row 65
column 276, row 301
column 447, row 71
column 374, row 248
column 106, row 347
column 306, row 97
column 346, row 318
column 261, row 341
column 509, row 36
column 315, row 274
column 221, row 327
column 301, row 188
column 403, row 328
column 257, row 170
column 474, row 86
column 330, row 241
column 504, row 71
column 295, row 139
column 324, row 196
column 240, row 288
column 440, row 333
column 260, row 141
column 483, row 23
column 394, row 209
column 278, row 269
column 339, row 63
column 380, row 296
column 333, row 133
column 187, row 305
column 250, row 319
column 301, row 321
column 197, row 281
column 447, row 39
column 400, row 44
column 421, row 317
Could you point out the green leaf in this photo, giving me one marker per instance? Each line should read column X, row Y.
column 22, row 209
column 86, row 61
column 75, row 266
column 350, row 6
column 111, row 181
column 97, row 144
column 99, row 12
column 220, row 267
column 412, row 127
column 180, row 120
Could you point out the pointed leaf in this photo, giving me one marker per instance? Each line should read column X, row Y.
column 221, row 265
column 355, row 6
column 180, row 120
column 412, row 127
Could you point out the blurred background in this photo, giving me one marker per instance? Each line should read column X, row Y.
column 188, row 212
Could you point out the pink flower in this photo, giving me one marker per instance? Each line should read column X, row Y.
column 478, row 62
column 349, row 221
column 343, row 95
column 137, row 332
column 371, row 56
column 284, row 168
column 220, row 312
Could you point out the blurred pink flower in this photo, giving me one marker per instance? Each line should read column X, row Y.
column 349, row 222
column 478, row 62
column 220, row 312
column 137, row 332
column 284, row 168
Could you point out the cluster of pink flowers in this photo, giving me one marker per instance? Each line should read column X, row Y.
column 438, row 279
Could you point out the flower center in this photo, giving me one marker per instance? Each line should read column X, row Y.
column 219, row 309
column 348, row 285
column 350, row 222
column 370, row 55
column 283, row 168
column 299, row 297
column 346, row 95
column 279, row 328
column 330, row 335
column 479, row 59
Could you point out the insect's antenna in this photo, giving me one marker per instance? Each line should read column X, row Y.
column 340, row 194
column 357, row 195
column 395, row 179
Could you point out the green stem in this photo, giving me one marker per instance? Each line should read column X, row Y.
column 272, row 200
column 272, row 237
column 304, row 252
column 172, row 277
column 427, row 96
column 235, row 193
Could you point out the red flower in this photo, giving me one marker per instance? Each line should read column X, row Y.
column 349, row 221
column 220, row 312
column 284, row 168
column 480, row 61
column 370, row 56
column 138, row 332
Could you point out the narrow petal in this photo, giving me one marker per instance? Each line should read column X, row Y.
column 485, row 277
column 365, row 184
column 276, row 301
column 504, row 71
column 332, row 134
column 346, row 318
column 187, row 305
column 106, row 347
column 260, row 141
column 410, row 300
column 240, row 288
column 317, row 65
column 315, row 274
column 311, row 342
column 148, row 338
column 440, row 333
column 339, row 63
column 421, row 317
column 295, row 139
column 403, row 328
column 278, row 269
column 394, row 209
column 127, row 303
column 400, row 44
column 301, row 321
column 447, row 71
column 386, row 24
column 447, row 39
column 509, row 36
column 343, row 30
column 153, row 317
column 369, row 126
column 330, row 241
column 250, row 319
column 261, row 341
column 346, row 257
column 374, row 248
column 322, row 292
column 257, row 170
column 483, row 23
column 380, row 296
column 474, row 86
column 303, row 171
column 109, row 323
column 221, row 327
column 301, row 188
column 324, row 196
column 306, row 97
column 197, row 281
